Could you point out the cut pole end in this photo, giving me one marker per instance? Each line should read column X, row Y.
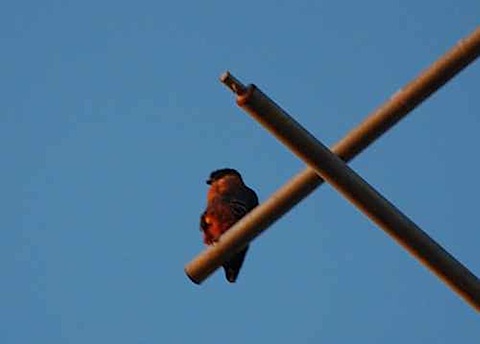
column 191, row 277
column 233, row 83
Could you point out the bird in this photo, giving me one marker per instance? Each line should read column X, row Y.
column 228, row 200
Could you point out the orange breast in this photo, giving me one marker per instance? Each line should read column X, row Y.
column 219, row 219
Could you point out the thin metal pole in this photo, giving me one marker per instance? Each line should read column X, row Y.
column 301, row 185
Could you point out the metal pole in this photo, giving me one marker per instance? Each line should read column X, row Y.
column 300, row 186
column 337, row 173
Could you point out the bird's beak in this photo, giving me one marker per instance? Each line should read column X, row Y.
column 209, row 181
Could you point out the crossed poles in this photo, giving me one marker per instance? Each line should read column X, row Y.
column 330, row 166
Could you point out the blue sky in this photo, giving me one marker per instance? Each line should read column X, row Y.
column 112, row 117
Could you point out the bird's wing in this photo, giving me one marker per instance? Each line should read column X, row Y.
column 238, row 207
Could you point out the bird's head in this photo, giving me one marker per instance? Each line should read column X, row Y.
column 222, row 174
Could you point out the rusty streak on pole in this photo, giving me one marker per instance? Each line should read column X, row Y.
column 301, row 185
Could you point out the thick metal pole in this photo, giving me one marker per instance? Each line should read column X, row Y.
column 337, row 173
column 300, row 186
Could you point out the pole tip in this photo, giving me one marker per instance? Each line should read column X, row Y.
column 194, row 280
column 233, row 83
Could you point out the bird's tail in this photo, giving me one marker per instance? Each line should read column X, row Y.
column 233, row 266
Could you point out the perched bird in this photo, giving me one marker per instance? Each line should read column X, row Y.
column 228, row 200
